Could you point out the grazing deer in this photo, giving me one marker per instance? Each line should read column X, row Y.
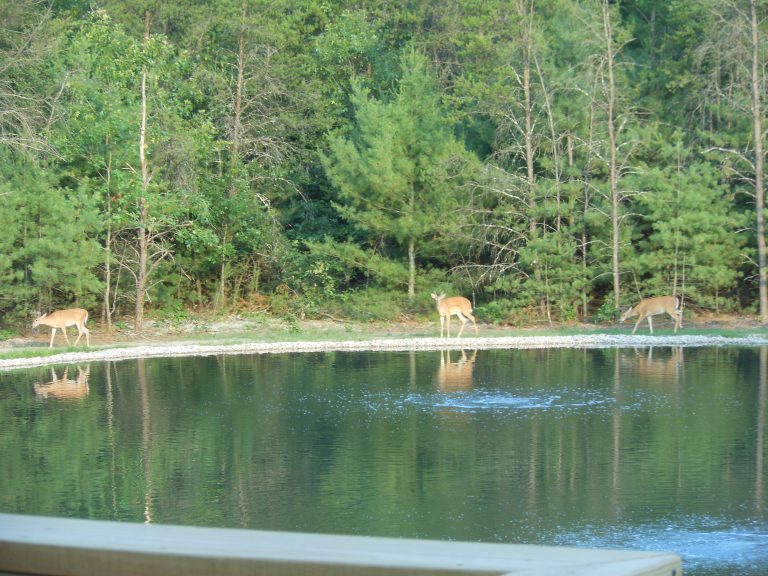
column 457, row 305
column 63, row 388
column 653, row 307
column 62, row 319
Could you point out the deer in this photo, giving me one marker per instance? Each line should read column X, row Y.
column 60, row 319
column 653, row 307
column 454, row 306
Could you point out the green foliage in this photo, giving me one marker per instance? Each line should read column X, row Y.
column 681, row 247
column 501, row 311
column 49, row 255
column 306, row 152
column 369, row 305
column 396, row 172
column 608, row 311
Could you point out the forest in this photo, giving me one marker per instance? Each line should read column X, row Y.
column 553, row 160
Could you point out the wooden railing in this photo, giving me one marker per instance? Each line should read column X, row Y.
column 64, row 547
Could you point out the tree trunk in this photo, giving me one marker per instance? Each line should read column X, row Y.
column 106, row 316
column 759, row 164
column 612, row 142
column 529, row 144
column 525, row 9
column 142, row 234
column 411, row 270
column 226, row 267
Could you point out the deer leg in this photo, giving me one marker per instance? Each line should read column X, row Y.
column 640, row 319
column 463, row 322
column 53, row 334
column 64, row 330
column 448, row 322
column 678, row 318
column 471, row 317
column 80, row 331
column 442, row 323
column 650, row 324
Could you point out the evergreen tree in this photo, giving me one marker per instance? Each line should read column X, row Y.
column 49, row 249
column 398, row 171
column 681, row 248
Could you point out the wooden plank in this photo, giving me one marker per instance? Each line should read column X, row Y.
column 67, row 547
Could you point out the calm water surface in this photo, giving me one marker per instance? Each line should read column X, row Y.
column 654, row 449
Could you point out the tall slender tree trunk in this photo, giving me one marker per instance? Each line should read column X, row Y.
column 587, row 199
column 106, row 315
column 226, row 265
column 613, row 162
column 142, row 233
column 759, row 163
column 411, row 270
column 527, row 49
column 525, row 10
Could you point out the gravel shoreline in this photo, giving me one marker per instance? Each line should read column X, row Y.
column 394, row 344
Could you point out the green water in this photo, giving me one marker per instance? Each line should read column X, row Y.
column 661, row 449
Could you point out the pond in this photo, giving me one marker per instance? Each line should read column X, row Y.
column 647, row 448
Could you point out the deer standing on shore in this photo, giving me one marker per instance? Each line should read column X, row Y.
column 63, row 318
column 653, row 307
column 454, row 306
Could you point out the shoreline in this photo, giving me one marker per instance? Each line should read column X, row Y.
column 382, row 345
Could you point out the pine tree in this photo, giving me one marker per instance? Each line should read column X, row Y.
column 398, row 171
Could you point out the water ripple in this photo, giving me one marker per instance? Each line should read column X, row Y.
column 707, row 545
column 494, row 400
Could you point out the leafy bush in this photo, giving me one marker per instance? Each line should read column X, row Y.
column 370, row 304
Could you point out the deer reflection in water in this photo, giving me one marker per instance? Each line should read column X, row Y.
column 63, row 388
column 454, row 376
column 663, row 368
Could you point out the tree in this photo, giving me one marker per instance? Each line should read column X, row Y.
column 96, row 126
column 756, row 82
column 399, row 169
column 731, row 56
column 49, row 250
column 255, row 113
column 168, row 154
column 27, row 108
column 680, row 247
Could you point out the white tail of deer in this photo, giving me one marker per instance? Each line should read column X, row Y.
column 455, row 306
column 63, row 318
column 653, row 307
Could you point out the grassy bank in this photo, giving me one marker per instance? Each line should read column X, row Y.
column 263, row 328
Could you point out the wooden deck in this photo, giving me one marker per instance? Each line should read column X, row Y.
column 64, row 547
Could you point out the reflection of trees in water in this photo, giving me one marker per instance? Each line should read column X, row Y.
column 146, row 438
column 760, row 440
column 111, row 438
column 647, row 367
column 63, row 388
column 616, row 426
column 278, row 439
